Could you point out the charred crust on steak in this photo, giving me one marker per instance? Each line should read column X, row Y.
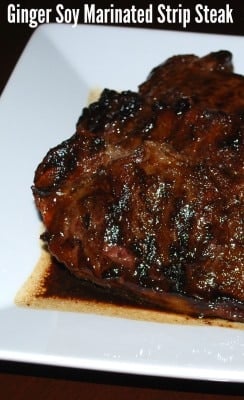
column 111, row 107
column 146, row 198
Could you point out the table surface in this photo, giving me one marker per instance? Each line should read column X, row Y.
column 25, row 381
column 28, row 382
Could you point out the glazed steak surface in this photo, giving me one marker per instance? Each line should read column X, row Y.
column 146, row 198
column 208, row 82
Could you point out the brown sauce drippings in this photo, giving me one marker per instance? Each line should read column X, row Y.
column 52, row 286
column 59, row 283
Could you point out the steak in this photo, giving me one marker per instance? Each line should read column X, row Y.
column 146, row 197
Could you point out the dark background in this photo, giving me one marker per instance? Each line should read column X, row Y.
column 24, row 381
column 15, row 36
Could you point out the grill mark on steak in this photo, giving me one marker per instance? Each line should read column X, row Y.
column 146, row 198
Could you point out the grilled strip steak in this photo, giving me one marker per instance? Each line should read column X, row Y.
column 146, row 198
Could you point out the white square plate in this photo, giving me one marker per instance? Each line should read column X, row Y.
column 39, row 108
